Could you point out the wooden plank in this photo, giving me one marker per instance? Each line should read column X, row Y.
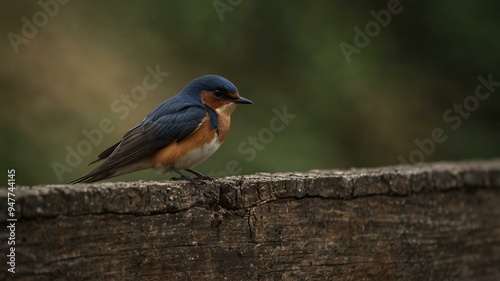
column 438, row 221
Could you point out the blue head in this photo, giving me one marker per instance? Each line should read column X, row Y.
column 211, row 83
column 214, row 91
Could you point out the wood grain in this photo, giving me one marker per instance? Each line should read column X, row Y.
column 438, row 221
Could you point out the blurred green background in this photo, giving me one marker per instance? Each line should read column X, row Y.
column 366, row 112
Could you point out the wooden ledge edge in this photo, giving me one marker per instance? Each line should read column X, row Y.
column 240, row 192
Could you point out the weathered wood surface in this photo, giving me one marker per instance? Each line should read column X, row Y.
column 438, row 221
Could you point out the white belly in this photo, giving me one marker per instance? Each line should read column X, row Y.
column 197, row 156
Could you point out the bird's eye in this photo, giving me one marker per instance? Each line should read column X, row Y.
column 218, row 93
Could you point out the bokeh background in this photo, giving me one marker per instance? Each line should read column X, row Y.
column 280, row 54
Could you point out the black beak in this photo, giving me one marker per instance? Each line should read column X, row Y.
column 243, row 100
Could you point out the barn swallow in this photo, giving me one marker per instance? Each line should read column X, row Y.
column 179, row 134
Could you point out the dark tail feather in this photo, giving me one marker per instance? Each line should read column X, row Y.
column 105, row 153
column 98, row 173
column 93, row 177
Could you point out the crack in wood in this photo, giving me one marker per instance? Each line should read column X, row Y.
column 431, row 221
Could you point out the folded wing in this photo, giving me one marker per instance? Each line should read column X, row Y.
column 159, row 129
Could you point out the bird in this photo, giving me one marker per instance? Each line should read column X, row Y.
column 177, row 135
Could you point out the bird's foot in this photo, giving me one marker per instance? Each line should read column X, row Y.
column 199, row 180
column 205, row 178
column 200, row 176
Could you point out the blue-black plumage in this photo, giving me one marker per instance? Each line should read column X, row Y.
column 177, row 135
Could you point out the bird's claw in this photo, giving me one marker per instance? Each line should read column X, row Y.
column 206, row 178
column 195, row 181
column 199, row 180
